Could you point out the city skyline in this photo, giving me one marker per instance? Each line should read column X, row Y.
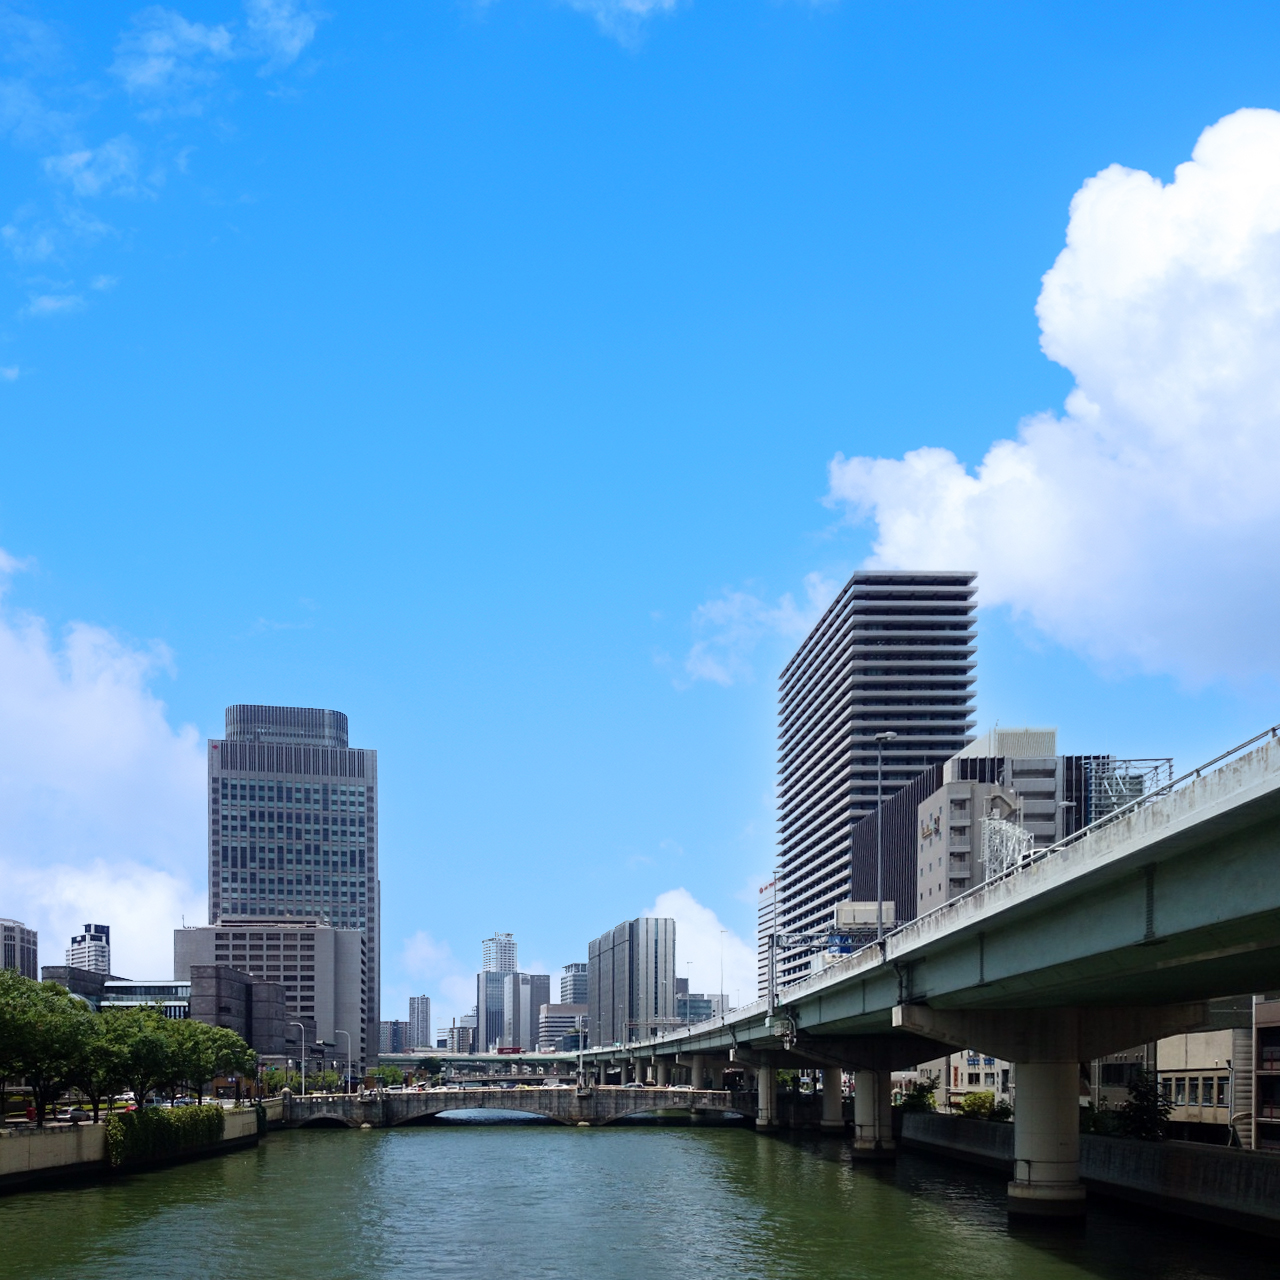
column 538, row 442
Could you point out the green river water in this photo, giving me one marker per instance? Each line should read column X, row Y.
column 498, row 1201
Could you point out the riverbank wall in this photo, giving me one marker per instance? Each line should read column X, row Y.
column 1223, row 1185
column 61, row 1153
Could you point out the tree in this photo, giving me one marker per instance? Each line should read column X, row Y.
column 1145, row 1112
column 45, row 1029
column 101, row 1069
column 920, row 1097
column 978, row 1105
column 146, row 1047
column 387, row 1076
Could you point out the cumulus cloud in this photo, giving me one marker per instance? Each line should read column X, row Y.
column 1140, row 525
column 730, row 627
column 702, row 938
column 103, row 799
column 622, row 19
column 9, row 372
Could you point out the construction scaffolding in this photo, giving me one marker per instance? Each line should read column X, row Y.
column 1005, row 845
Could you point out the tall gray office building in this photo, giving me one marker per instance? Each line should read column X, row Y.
column 293, row 828
column 631, row 981
column 894, row 653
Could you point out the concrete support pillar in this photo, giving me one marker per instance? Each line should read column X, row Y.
column 662, row 1071
column 1046, row 1141
column 832, row 1099
column 699, row 1071
column 766, row 1098
column 651, row 1075
column 872, row 1114
column 716, row 1067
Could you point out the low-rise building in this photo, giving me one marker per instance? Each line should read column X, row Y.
column 323, row 972
column 253, row 1008
column 560, row 1026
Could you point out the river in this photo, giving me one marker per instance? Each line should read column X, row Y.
column 533, row 1200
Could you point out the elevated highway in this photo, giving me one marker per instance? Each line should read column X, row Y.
column 1113, row 938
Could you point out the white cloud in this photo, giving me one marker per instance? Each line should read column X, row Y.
column 52, row 304
column 165, row 56
column 103, row 800
column 622, row 19
column 704, row 940
column 9, row 373
column 280, row 30
column 111, row 169
column 1141, row 525
column 730, row 627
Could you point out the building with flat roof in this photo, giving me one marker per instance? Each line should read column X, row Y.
column 293, row 829
column 498, row 953
column 18, row 946
column 323, row 972
column 91, row 950
column 393, row 1037
column 573, row 983
column 886, row 675
column 253, row 1008
column 560, row 1026
column 631, row 981
column 420, row 1023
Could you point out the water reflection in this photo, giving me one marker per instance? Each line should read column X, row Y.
column 617, row 1204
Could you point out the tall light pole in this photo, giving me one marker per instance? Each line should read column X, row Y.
column 338, row 1031
column 722, row 933
column 302, row 1046
column 881, row 738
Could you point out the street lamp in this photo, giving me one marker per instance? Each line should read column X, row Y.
column 338, row 1031
column 302, row 1047
column 881, row 738
column 722, row 933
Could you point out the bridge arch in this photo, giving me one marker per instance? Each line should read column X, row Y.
column 435, row 1109
column 327, row 1120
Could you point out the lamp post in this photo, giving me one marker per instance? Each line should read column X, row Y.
column 338, row 1031
column 302, row 1048
column 881, row 738
column 722, row 933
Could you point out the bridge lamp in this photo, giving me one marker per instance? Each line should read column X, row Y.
column 881, row 738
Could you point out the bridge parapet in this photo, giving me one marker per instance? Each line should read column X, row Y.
column 598, row 1105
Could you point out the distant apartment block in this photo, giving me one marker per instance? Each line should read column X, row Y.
column 91, row 950
column 393, row 1037
column 498, row 953
column 893, row 654
column 19, row 944
column 420, row 1023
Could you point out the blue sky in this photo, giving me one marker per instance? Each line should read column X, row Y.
column 492, row 373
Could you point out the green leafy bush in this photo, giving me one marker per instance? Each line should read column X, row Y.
column 156, row 1133
column 977, row 1106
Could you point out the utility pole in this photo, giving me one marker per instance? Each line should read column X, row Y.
column 881, row 739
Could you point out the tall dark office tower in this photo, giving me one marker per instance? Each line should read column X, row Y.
column 894, row 653
column 293, row 834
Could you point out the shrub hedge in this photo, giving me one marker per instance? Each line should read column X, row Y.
column 157, row 1133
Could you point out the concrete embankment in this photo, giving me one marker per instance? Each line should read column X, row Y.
column 66, row 1152
column 1216, row 1184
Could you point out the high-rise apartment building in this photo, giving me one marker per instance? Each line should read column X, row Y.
column 293, row 829
column 631, row 981
column 573, row 984
column 884, row 678
column 91, row 950
column 393, row 1037
column 766, row 913
column 18, row 945
column 420, row 1023
column 499, row 953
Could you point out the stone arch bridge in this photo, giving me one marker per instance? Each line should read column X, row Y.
column 598, row 1105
